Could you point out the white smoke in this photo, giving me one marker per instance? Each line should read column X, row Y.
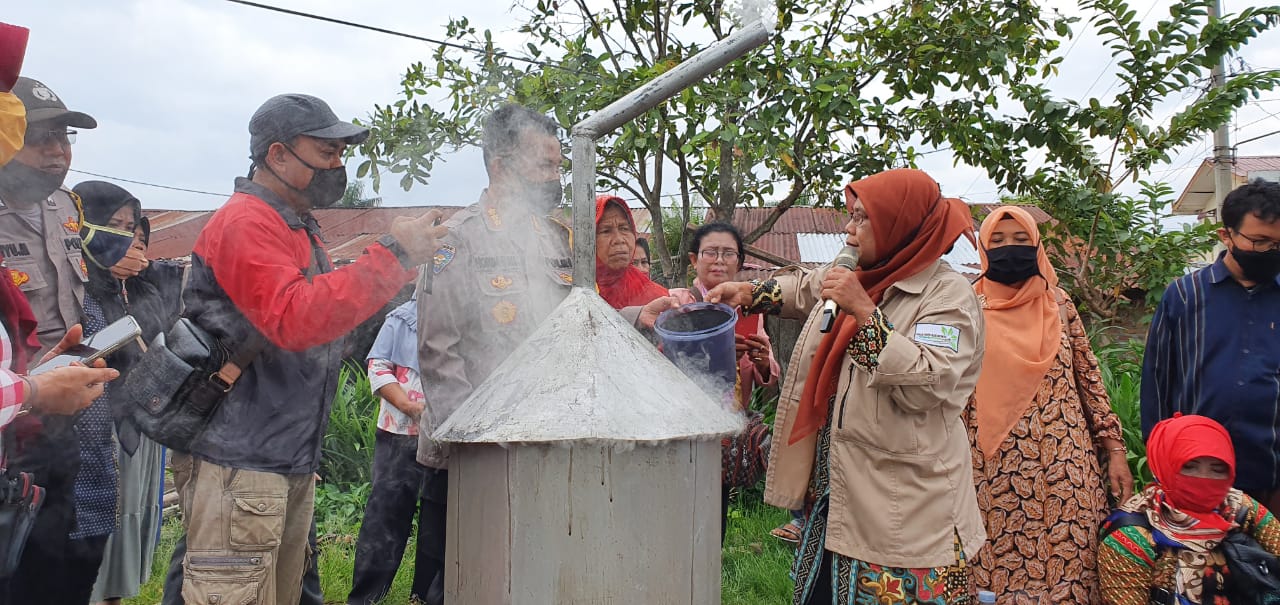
column 746, row 12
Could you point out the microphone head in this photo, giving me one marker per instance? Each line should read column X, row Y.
column 847, row 258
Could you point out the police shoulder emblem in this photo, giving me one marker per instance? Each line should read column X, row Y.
column 504, row 312
column 19, row 277
column 443, row 256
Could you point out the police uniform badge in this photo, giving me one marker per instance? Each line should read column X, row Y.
column 501, row 282
column 442, row 258
column 504, row 312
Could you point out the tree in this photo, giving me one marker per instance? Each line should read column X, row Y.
column 354, row 197
column 795, row 118
column 1090, row 147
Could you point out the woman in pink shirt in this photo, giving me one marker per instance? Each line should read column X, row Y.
column 716, row 257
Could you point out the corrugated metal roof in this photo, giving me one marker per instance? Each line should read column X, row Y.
column 779, row 244
column 980, row 211
column 963, row 257
column 819, row 247
column 347, row 231
column 793, row 220
column 1245, row 165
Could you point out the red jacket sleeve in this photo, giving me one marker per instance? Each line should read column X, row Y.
column 256, row 261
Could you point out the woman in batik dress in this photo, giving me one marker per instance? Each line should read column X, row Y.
column 1040, row 421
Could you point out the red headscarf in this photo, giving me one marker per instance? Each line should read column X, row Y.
column 629, row 287
column 913, row 227
column 1174, row 442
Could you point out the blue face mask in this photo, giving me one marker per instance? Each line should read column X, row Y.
column 104, row 246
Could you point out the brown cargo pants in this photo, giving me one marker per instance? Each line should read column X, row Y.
column 246, row 533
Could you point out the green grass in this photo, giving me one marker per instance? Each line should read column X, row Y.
column 755, row 563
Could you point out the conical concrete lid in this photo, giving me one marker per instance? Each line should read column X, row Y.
column 586, row 375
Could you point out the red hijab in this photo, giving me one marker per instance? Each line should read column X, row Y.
column 629, row 287
column 1174, row 442
column 913, row 227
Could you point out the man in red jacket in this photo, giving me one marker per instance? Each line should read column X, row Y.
column 260, row 276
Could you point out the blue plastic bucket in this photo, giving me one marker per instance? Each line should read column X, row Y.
column 698, row 338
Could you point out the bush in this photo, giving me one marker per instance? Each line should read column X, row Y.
column 339, row 510
column 347, row 455
column 1121, row 368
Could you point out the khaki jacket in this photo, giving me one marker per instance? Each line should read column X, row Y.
column 901, row 473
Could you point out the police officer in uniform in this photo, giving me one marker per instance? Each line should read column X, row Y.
column 40, row 243
column 506, row 264
column 39, row 218
column 503, row 267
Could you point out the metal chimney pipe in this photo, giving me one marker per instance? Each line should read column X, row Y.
column 585, row 133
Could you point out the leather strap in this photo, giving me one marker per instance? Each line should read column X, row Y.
column 230, row 372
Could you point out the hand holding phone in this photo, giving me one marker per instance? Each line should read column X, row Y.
column 105, row 342
column 67, row 390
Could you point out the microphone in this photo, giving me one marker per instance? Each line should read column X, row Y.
column 847, row 258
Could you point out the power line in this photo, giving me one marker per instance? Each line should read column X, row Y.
column 391, row 32
column 170, row 187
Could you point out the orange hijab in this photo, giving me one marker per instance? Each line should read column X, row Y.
column 1024, row 334
column 913, row 227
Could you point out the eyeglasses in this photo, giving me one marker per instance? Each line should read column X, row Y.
column 640, row 262
column 1260, row 244
column 712, row 254
column 40, row 138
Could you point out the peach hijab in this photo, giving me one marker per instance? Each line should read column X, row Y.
column 1024, row 334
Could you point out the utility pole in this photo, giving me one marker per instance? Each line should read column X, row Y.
column 1223, row 154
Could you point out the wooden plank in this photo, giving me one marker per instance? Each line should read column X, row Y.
column 596, row 527
column 651, row 488
column 542, row 539
column 705, row 520
column 477, row 543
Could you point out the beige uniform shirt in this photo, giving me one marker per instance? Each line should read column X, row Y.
column 901, row 473
column 497, row 275
column 48, row 264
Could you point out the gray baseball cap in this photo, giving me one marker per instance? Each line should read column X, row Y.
column 43, row 105
column 284, row 117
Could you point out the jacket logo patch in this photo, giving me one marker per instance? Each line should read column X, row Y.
column 504, row 312
column 938, row 335
column 19, row 277
column 72, row 226
column 442, row 258
column 568, row 278
column 500, row 282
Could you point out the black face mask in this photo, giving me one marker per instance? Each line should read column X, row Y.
column 104, row 246
column 543, row 196
column 1011, row 264
column 25, row 184
column 1259, row 267
column 327, row 184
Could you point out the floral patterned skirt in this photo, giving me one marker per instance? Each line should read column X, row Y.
column 855, row 582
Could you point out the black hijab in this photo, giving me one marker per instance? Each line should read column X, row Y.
column 153, row 297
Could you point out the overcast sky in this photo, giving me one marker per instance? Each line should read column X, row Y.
column 172, row 84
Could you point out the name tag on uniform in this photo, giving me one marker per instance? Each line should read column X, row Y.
column 938, row 335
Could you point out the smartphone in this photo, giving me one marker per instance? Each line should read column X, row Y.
column 105, row 342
